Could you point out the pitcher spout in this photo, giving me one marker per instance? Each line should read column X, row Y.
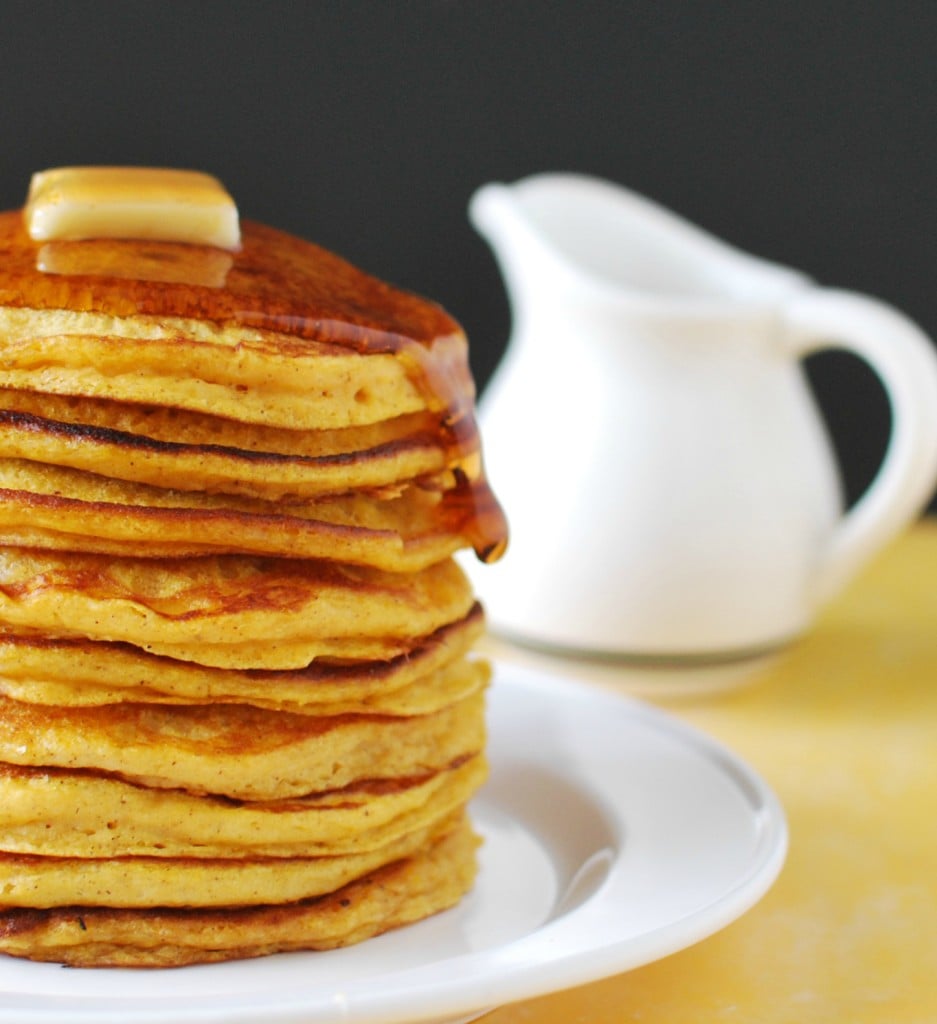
column 580, row 232
column 531, row 268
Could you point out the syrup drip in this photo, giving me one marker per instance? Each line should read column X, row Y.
column 280, row 283
column 471, row 507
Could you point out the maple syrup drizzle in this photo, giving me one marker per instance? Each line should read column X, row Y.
column 279, row 283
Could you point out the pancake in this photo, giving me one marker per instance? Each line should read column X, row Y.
column 228, row 610
column 64, row 509
column 253, row 376
column 59, row 813
column 76, row 673
column 196, row 346
column 31, row 881
column 401, row 893
column 364, row 355
column 168, row 425
column 239, row 751
column 406, row 451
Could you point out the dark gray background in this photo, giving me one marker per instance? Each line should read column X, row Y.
column 804, row 132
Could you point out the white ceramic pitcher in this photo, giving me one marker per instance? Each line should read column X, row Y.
column 671, row 490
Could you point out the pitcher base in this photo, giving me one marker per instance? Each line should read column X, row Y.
column 644, row 675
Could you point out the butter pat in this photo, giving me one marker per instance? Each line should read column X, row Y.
column 73, row 203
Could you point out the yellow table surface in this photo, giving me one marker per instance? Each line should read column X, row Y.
column 844, row 729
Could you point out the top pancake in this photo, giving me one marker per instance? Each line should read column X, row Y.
column 289, row 336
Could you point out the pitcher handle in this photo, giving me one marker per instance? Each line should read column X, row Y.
column 905, row 361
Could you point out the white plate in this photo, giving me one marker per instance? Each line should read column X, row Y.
column 614, row 836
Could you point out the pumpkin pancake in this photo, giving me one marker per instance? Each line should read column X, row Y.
column 81, row 673
column 53, row 508
column 406, row 449
column 39, row 881
column 228, row 610
column 239, row 751
column 249, row 351
column 401, row 893
column 167, row 425
column 60, row 813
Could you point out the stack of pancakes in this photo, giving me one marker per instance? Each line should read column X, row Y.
column 238, row 707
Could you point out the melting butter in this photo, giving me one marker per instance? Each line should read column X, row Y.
column 160, row 204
